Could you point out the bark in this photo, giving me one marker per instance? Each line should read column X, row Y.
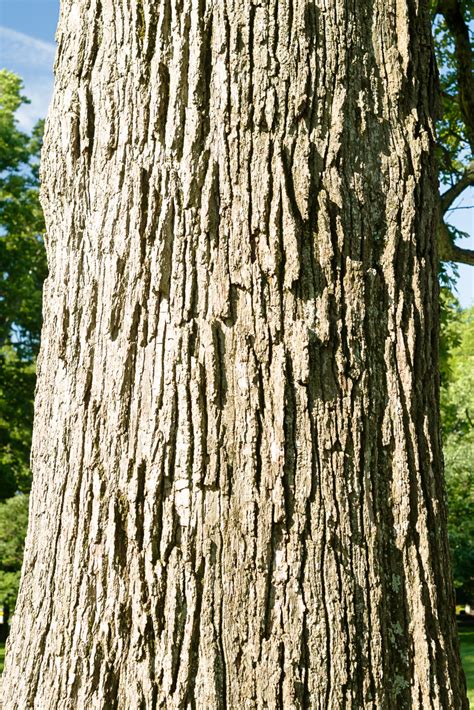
column 238, row 498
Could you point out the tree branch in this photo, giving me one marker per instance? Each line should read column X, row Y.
column 452, row 12
column 448, row 197
column 451, row 252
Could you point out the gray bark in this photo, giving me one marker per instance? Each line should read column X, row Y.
column 238, row 498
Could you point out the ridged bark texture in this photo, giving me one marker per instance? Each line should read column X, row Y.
column 238, row 497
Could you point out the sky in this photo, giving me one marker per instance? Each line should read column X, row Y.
column 27, row 47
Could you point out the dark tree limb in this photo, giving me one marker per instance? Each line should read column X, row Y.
column 451, row 252
column 467, row 179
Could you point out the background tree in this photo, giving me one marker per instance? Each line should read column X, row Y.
column 452, row 20
column 13, row 524
column 22, row 271
column 457, row 408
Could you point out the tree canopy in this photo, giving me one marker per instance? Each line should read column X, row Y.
column 452, row 20
column 13, row 524
column 457, row 409
column 22, row 272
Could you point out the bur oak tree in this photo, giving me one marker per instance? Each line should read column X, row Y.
column 238, row 498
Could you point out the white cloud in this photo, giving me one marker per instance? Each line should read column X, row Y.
column 23, row 50
column 33, row 60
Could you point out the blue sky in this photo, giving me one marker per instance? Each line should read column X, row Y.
column 37, row 18
column 27, row 47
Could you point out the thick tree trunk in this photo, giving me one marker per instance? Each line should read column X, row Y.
column 238, row 497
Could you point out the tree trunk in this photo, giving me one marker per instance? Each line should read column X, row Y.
column 238, row 498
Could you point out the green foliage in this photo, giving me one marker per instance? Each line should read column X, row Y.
column 22, row 272
column 22, row 257
column 452, row 22
column 450, row 314
column 13, row 524
column 17, row 384
column 13, row 143
column 457, row 414
column 466, row 637
column 452, row 142
column 457, row 328
column 452, row 132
